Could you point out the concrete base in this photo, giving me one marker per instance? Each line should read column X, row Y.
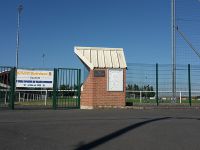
column 87, row 107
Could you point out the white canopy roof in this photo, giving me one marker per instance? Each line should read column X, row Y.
column 97, row 57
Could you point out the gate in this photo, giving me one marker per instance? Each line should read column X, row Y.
column 64, row 94
column 7, row 87
column 66, row 88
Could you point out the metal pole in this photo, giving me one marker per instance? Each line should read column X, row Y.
column 12, row 88
column 173, row 27
column 19, row 9
column 157, row 85
column 55, row 88
column 189, row 85
column 79, row 88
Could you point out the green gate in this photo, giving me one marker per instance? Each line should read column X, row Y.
column 65, row 92
column 66, row 89
column 7, row 87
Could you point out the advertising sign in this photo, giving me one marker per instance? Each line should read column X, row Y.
column 34, row 78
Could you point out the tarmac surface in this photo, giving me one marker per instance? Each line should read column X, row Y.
column 103, row 129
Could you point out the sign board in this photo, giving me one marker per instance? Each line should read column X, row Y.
column 34, row 78
column 115, row 80
column 99, row 73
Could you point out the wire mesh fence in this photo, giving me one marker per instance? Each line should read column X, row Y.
column 152, row 84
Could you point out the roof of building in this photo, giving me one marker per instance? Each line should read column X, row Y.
column 98, row 57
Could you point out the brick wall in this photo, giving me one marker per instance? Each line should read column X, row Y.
column 95, row 92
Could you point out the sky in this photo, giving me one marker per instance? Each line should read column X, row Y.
column 53, row 27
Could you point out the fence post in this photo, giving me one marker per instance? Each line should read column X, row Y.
column 157, row 84
column 180, row 95
column 189, row 85
column 79, row 87
column 12, row 88
column 55, row 89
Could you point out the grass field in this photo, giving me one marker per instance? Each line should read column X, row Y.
column 153, row 101
column 49, row 102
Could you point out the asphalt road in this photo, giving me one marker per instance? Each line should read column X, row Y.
column 113, row 129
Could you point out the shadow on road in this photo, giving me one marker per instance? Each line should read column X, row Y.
column 116, row 134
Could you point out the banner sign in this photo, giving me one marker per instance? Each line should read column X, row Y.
column 34, row 78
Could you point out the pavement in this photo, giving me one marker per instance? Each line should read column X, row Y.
column 102, row 129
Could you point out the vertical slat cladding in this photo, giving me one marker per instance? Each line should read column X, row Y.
column 121, row 59
column 81, row 51
column 101, row 59
column 87, row 54
column 94, row 58
column 114, row 59
column 108, row 61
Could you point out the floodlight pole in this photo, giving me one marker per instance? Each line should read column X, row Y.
column 19, row 9
column 173, row 28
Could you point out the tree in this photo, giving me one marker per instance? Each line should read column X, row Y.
column 136, row 88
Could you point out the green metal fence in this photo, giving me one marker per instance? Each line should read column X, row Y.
column 7, row 87
column 66, row 88
column 152, row 85
column 64, row 94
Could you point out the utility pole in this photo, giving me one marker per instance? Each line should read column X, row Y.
column 19, row 10
column 173, row 28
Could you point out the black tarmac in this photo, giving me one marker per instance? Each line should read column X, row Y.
column 104, row 129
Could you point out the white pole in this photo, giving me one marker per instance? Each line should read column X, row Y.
column 180, row 97
column 19, row 97
column 140, row 96
column 24, row 97
column 5, row 97
column 46, row 98
column 27, row 97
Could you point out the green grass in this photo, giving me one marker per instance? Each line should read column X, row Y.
column 153, row 101
column 60, row 102
column 35, row 102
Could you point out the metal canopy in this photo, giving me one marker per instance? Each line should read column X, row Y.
column 97, row 57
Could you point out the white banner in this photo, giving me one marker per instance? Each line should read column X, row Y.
column 34, row 78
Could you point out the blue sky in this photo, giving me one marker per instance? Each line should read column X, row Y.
column 54, row 27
